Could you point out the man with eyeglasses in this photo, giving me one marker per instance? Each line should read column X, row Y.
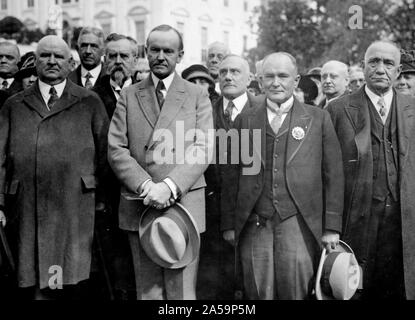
column 375, row 127
column 91, row 50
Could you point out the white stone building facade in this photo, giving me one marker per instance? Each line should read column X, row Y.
column 200, row 21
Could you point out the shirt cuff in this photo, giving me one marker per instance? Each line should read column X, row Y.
column 173, row 187
column 141, row 187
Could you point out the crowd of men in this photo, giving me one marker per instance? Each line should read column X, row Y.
column 91, row 209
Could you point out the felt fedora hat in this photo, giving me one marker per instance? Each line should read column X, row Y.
column 170, row 237
column 338, row 275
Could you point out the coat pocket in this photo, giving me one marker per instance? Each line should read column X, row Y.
column 89, row 183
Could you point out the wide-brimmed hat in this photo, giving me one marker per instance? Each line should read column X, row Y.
column 338, row 275
column 170, row 238
column 27, row 66
column 197, row 71
column 408, row 61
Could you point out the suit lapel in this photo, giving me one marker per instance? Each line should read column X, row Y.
column 147, row 100
column 172, row 105
column 300, row 120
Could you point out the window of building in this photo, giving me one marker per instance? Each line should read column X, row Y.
column 245, row 42
column 180, row 28
column 140, row 29
column 226, row 37
column 205, row 41
column 226, row 3
column 3, row 5
column 30, row 3
column 106, row 28
column 246, row 6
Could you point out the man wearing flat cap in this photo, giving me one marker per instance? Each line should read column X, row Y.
column 159, row 142
column 405, row 83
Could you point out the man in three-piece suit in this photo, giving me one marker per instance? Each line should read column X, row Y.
column 289, row 199
column 91, row 49
column 376, row 130
column 9, row 59
column 53, row 141
column 217, row 257
column 161, row 106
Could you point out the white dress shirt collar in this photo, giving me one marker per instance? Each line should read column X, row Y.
column 272, row 105
column 94, row 73
column 374, row 98
column 167, row 82
column 239, row 104
column 45, row 88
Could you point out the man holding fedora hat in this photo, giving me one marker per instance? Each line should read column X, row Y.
column 161, row 107
column 405, row 83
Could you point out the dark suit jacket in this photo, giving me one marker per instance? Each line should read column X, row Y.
column 76, row 76
column 351, row 120
column 16, row 87
column 314, row 171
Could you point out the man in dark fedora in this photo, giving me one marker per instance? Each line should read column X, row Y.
column 405, row 83
column 289, row 202
column 375, row 127
column 150, row 122
column 53, row 141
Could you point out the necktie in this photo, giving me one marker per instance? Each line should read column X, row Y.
column 159, row 93
column 382, row 107
column 277, row 121
column 53, row 98
column 4, row 85
column 88, row 83
column 228, row 112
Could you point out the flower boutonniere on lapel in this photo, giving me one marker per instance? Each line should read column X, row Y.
column 298, row 133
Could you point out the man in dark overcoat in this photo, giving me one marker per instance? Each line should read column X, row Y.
column 375, row 127
column 53, row 145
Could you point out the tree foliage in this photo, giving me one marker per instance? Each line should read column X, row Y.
column 315, row 31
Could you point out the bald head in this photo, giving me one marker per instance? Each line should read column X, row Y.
column 9, row 57
column 216, row 52
column 382, row 66
column 52, row 60
column 384, row 46
column 335, row 78
column 280, row 76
